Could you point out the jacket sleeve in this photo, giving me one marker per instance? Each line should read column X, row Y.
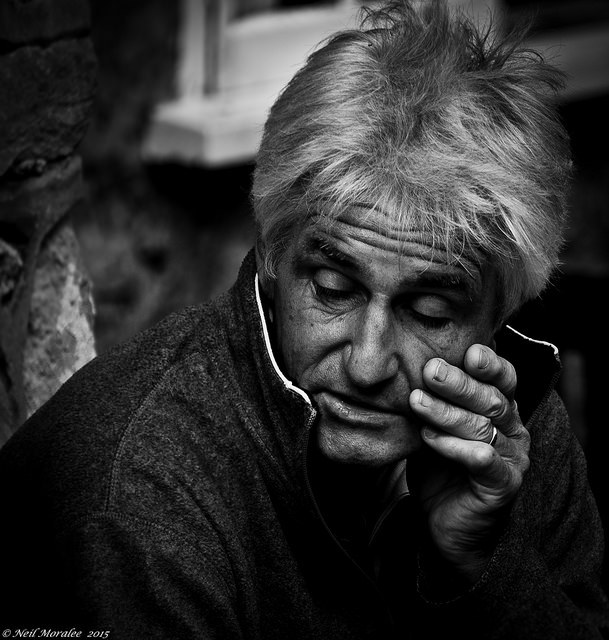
column 543, row 580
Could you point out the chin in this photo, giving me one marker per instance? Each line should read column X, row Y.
column 366, row 449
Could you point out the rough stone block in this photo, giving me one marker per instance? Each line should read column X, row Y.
column 28, row 21
column 45, row 103
column 30, row 210
column 60, row 335
column 11, row 267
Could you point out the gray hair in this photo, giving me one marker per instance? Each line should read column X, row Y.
column 445, row 126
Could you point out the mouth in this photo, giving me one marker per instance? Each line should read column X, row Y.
column 357, row 413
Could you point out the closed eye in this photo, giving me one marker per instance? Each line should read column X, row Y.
column 431, row 310
column 430, row 322
column 332, row 286
column 334, row 294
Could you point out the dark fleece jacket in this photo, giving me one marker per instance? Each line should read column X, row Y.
column 163, row 493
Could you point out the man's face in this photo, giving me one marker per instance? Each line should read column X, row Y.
column 358, row 314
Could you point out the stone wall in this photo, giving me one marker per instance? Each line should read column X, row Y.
column 48, row 84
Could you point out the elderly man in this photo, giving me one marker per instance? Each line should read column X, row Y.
column 350, row 443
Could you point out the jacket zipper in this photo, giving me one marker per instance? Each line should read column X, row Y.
column 378, row 593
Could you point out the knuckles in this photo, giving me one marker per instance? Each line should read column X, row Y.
column 498, row 408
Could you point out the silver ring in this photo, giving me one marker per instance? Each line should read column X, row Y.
column 494, row 436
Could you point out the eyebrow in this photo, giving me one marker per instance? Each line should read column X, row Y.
column 459, row 281
column 317, row 244
column 456, row 280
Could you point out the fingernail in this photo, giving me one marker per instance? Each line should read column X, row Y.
column 423, row 399
column 483, row 359
column 441, row 372
column 428, row 433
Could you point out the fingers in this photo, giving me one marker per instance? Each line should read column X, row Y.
column 452, row 418
column 462, row 410
column 481, row 459
column 470, row 403
column 466, row 438
column 484, row 364
column 485, row 386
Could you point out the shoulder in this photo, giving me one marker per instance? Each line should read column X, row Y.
column 143, row 409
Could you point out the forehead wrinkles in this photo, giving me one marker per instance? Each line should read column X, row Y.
column 377, row 229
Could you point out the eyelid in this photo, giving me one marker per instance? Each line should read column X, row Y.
column 332, row 279
column 431, row 304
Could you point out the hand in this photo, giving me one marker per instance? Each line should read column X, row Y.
column 465, row 489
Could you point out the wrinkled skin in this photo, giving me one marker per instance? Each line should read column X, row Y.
column 394, row 343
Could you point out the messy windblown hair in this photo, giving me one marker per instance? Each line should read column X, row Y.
column 447, row 127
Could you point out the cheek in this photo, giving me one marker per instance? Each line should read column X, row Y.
column 452, row 347
column 308, row 345
column 293, row 331
column 450, row 343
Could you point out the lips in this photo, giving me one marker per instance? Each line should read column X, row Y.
column 358, row 414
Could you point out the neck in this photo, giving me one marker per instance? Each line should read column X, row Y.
column 346, row 493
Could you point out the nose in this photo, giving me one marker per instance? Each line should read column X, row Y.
column 370, row 355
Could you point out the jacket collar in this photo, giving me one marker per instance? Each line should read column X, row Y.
column 264, row 321
column 279, row 414
column 537, row 365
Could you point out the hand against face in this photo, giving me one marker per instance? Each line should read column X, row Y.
column 465, row 499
